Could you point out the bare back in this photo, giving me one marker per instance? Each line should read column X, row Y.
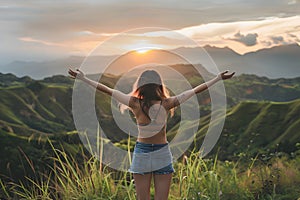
column 152, row 130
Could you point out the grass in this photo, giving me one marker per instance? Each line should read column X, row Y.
column 263, row 177
column 68, row 180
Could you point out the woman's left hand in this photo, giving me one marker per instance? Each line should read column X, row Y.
column 224, row 75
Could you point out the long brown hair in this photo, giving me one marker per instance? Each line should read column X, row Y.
column 147, row 88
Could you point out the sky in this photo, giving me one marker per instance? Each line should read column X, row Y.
column 47, row 30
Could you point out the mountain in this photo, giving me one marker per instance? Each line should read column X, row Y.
column 275, row 62
column 39, row 70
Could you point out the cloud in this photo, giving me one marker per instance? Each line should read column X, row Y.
column 293, row 2
column 278, row 40
column 47, row 43
column 241, row 36
column 57, row 21
column 35, row 27
column 249, row 40
column 254, row 34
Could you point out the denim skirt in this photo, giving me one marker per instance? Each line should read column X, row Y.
column 151, row 158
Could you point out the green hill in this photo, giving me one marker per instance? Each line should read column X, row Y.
column 247, row 87
column 33, row 110
column 44, row 106
column 37, row 106
column 257, row 127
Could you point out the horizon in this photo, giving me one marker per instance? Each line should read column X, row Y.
column 110, row 74
column 263, row 63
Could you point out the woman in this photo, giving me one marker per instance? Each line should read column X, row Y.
column 150, row 103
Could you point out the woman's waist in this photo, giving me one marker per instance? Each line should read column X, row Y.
column 151, row 127
column 152, row 137
column 148, row 144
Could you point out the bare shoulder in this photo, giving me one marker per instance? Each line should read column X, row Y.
column 169, row 102
column 133, row 102
column 134, row 99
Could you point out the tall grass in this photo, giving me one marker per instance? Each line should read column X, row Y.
column 68, row 180
column 195, row 178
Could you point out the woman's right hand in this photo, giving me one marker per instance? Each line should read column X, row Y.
column 76, row 74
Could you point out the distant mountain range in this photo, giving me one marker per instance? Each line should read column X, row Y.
column 275, row 62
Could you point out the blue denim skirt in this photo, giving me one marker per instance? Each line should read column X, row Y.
column 151, row 158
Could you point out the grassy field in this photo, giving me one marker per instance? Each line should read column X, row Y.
column 273, row 176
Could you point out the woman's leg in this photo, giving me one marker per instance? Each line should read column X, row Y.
column 162, row 184
column 142, row 186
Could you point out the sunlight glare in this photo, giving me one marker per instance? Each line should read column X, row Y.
column 142, row 51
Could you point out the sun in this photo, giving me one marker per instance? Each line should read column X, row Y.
column 143, row 50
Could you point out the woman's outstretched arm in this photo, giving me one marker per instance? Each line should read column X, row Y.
column 182, row 97
column 118, row 95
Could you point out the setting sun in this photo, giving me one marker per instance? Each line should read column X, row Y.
column 142, row 50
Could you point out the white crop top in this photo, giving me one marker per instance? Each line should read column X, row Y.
column 158, row 122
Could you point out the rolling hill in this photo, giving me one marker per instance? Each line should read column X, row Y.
column 263, row 114
column 257, row 127
column 45, row 105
